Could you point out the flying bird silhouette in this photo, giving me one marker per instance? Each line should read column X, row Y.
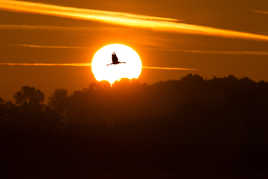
column 115, row 60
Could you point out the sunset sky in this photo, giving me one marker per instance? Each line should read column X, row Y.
column 215, row 38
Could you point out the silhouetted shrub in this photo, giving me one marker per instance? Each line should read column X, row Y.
column 29, row 95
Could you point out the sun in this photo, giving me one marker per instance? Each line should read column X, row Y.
column 103, row 70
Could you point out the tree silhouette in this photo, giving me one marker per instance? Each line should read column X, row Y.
column 187, row 128
column 59, row 101
column 29, row 95
column 2, row 101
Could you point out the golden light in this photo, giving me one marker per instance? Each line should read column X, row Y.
column 125, row 19
column 102, row 59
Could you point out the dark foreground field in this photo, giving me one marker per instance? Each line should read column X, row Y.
column 189, row 128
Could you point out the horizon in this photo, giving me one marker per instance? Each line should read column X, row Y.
column 126, row 82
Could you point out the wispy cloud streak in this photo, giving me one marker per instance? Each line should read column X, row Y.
column 49, row 46
column 168, row 68
column 206, row 52
column 125, row 19
column 50, row 27
column 46, row 64
column 260, row 12
column 88, row 65
column 222, row 52
column 37, row 27
column 79, row 13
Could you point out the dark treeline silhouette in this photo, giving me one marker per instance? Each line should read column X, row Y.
column 192, row 127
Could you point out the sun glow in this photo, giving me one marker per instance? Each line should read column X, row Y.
column 102, row 71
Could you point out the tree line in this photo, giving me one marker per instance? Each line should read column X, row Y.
column 191, row 127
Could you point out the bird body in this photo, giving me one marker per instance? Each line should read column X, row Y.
column 115, row 60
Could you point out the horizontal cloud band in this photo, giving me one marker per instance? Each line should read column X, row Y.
column 208, row 52
column 125, row 19
column 87, row 65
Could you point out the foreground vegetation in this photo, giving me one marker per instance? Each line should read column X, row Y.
column 185, row 128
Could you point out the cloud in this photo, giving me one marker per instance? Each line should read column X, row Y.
column 49, row 46
column 207, row 52
column 46, row 64
column 169, row 68
column 221, row 52
column 49, row 27
column 260, row 12
column 79, row 13
column 37, row 27
column 125, row 19
column 88, row 65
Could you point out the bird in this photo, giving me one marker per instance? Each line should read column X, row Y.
column 115, row 60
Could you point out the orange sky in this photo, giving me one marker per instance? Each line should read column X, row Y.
column 217, row 38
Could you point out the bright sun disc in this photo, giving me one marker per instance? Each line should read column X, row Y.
column 102, row 71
